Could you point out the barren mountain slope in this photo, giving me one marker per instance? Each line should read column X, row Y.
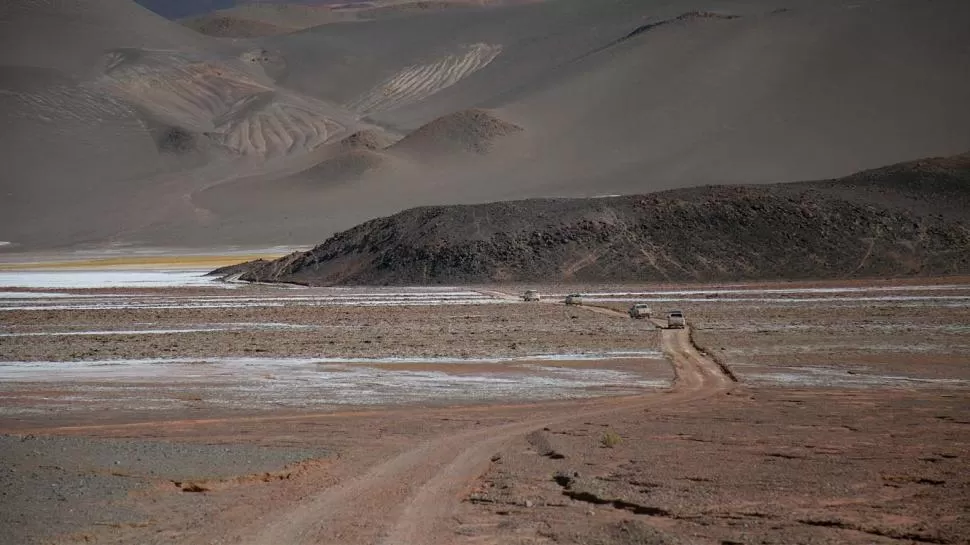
column 175, row 9
column 650, row 97
column 823, row 89
column 124, row 112
column 247, row 21
column 811, row 92
column 904, row 220
column 69, row 145
column 223, row 25
column 132, row 129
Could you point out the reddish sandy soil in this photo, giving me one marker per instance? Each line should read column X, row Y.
column 707, row 460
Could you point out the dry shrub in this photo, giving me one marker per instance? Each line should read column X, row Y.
column 610, row 439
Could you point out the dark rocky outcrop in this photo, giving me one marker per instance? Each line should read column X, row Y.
column 909, row 219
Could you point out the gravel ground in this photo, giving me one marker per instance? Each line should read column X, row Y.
column 334, row 331
column 761, row 466
column 831, row 344
column 52, row 485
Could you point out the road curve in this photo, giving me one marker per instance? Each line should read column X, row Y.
column 408, row 498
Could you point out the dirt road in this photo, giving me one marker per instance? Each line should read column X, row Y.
column 408, row 498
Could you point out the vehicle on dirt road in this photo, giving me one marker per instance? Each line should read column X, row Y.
column 640, row 310
column 676, row 320
column 531, row 295
column 574, row 299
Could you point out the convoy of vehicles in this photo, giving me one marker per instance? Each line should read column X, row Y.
column 675, row 318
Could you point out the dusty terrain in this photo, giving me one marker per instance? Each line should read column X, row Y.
column 875, row 452
column 166, row 136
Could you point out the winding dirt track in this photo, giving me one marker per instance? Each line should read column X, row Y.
column 408, row 498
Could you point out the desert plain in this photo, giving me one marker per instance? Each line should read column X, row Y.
column 207, row 412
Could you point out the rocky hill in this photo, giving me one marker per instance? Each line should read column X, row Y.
column 909, row 219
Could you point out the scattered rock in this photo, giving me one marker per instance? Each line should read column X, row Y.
column 602, row 492
column 541, row 442
column 191, row 487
